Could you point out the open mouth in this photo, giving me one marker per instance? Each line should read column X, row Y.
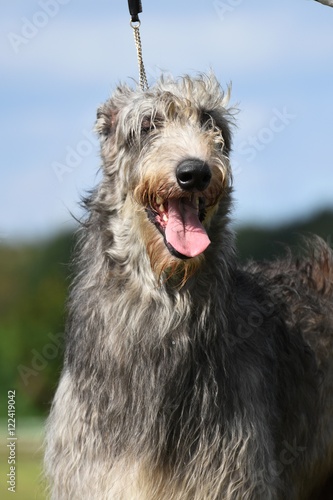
column 179, row 220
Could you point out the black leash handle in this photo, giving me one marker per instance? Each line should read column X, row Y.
column 135, row 8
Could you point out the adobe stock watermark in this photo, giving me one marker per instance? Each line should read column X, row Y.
column 224, row 8
column 278, row 122
column 261, row 312
column 74, row 156
column 30, row 28
column 40, row 359
column 287, row 456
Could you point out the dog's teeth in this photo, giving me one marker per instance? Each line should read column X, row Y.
column 159, row 200
column 161, row 208
column 165, row 217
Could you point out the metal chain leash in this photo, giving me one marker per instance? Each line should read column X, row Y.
column 138, row 45
column 135, row 7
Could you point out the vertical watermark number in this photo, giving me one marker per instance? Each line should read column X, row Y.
column 11, row 441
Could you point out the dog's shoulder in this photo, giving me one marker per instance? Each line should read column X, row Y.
column 301, row 287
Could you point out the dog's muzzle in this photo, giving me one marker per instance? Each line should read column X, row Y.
column 179, row 219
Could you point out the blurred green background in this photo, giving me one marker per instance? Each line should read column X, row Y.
column 34, row 279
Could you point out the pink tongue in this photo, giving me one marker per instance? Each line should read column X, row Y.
column 184, row 231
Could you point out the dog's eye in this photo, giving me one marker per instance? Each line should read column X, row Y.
column 150, row 123
column 207, row 121
column 209, row 124
column 146, row 125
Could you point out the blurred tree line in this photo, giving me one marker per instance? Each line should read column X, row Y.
column 33, row 287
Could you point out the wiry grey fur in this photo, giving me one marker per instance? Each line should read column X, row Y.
column 187, row 379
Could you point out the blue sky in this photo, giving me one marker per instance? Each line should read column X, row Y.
column 61, row 58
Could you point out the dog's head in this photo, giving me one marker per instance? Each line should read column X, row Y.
column 168, row 151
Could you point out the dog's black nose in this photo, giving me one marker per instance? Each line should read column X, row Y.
column 193, row 174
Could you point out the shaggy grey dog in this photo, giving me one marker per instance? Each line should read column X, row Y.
column 187, row 377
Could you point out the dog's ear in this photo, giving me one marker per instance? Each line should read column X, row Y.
column 108, row 113
column 107, row 117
